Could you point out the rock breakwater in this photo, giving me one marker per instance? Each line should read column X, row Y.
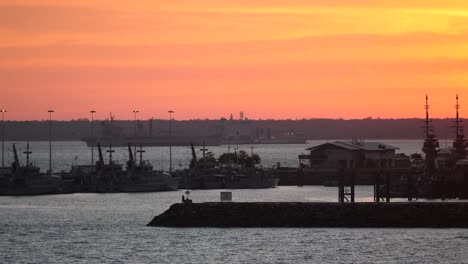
column 288, row 214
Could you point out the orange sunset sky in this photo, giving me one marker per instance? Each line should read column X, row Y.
column 209, row 58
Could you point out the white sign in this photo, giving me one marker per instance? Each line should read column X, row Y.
column 226, row 196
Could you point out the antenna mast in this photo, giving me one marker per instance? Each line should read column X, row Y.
column 427, row 122
column 459, row 144
column 110, row 151
column 141, row 151
column 458, row 127
column 27, row 152
column 204, row 149
column 431, row 145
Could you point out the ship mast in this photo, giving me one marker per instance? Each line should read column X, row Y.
column 111, row 134
column 460, row 143
column 27, row 152
column 427, row 121
column 131, row 160
column 457, row 121
column 16, row 163
column 204, row 149
column 100, row 162
column 431, row 144
column 110, row 151
column 141, row 151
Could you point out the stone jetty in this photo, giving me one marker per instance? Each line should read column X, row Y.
column 289, row 214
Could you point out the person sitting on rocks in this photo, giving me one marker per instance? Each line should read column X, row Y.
column 186, row 200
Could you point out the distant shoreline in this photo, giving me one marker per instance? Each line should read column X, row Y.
column 312, row 129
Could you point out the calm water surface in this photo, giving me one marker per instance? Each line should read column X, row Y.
column 110, row 228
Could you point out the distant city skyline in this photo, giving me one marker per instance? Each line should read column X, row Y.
column 210, row 58
column 106, row 118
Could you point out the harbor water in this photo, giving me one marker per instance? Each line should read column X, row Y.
column 111, row 228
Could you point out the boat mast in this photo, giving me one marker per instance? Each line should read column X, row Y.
column 457, row 121
column 111, row 128
column 427, row 121
column 170, row 139
column 27, row 152
column 50, row 140
column 460, row 143
column 141, row 151
column 110, row 151
column 131, row 160
column 100, row 162
column 92, row 136
column 16, row 163
column 431, row 144
column 204, row 149
column 194, row 162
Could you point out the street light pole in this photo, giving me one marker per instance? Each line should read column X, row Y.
column 170, row 139
column 92, row 136
column 135, row 112
column 50, row 140
column 3, row 137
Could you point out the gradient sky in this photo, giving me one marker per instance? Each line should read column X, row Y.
column 209, row 58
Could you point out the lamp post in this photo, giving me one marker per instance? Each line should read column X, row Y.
column 170, row 139
column 135, row 112
column 3, row 136
column 92, row 136
column 50, row 140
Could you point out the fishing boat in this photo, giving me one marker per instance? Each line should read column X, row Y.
column 112, row 178
column 140, row 177
column 27, row 179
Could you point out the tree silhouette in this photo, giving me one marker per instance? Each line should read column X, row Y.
column 240, row 158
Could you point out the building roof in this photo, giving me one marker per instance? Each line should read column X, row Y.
column 357, row 145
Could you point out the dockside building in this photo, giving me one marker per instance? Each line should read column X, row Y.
column 350, row 154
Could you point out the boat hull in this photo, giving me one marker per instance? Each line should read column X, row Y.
column 30, row 190
column 150, row 187
column 210, row 181
column 253, row 184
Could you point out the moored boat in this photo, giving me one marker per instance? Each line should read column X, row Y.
column 140, row 177
column 112, row 178
column 27, row 179
column 229, row 171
